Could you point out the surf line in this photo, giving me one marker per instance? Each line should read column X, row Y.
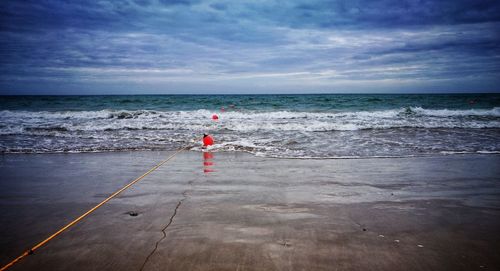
column 37, row 246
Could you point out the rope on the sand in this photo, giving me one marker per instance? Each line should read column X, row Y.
column 32, row 250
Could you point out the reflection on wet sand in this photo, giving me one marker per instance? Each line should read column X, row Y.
column 208, row 162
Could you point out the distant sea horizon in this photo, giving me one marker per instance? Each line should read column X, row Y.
column 255, row 94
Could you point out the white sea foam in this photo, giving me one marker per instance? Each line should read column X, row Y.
column 495, row 112
column 394, row 132
column 250, row 121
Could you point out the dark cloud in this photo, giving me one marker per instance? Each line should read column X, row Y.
column 394, row 13
column 304, row 43
column 219, row 6
column 178, row 2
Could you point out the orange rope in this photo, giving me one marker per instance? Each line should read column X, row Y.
column 30, row 251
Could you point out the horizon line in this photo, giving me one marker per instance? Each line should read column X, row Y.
column 258, row 94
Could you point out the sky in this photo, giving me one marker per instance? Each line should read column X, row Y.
column 260, row 46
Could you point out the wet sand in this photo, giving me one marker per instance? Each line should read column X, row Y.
column 235, row 211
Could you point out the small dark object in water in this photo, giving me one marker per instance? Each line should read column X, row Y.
column 364, row 229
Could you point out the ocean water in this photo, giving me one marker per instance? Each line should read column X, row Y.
column 288, row 126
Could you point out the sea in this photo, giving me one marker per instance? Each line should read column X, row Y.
column 283, row 126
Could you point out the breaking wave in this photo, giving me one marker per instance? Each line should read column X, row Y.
column 411, row 117
column 404, row 131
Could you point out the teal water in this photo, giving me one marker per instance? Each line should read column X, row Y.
column 306, row 103
column 293, row 126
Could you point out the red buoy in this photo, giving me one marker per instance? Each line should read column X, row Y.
column 215, row 117
column 207, row 140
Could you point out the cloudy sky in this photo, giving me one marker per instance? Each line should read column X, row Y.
column 261, row 46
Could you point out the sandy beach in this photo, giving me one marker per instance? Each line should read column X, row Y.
column 236, row 211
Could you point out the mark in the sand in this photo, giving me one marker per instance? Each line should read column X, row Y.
column 285, row 243
column 284, row 210
column 278, row 208
column 184, row 194
column 358, row 224
column 132, row 213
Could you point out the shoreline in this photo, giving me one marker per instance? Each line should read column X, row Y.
column 235, row 210
column 427, row 155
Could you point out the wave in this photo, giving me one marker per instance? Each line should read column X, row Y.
column 98, row 114
column 129, row 114
column 291, row 134
column 248, row 121
column 495, row 112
